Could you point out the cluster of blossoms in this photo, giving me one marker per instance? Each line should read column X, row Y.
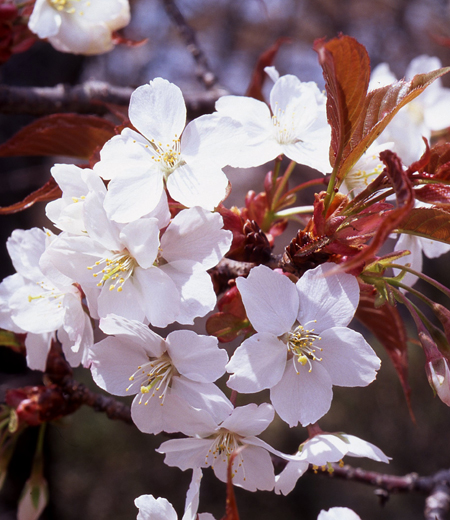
column 133, row 253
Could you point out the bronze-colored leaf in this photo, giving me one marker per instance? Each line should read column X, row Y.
column 432, row 223
column 50, row 191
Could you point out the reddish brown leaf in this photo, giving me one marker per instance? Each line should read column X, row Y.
column 346, row 69
column 386, row 324
column 434, row 194
column 356, row 117
column 50, row 191
column 430, row 223
column 73, row 135
column 265, row 60
column 118, row 39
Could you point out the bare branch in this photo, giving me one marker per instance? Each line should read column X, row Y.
column 92, row 97
column 204, row 74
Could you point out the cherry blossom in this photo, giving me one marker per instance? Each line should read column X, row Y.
column 320, row 451
column 188, row 160
column 79, row 26
column 302, row 346
column 40, row 300
column 151, row 508
column 125, row 269
column 169, row 376
column 295, row 124
column 252, row 467
column 338, row 513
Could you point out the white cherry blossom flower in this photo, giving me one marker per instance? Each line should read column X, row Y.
column 67, row 212
column 79, row 26
column 188, row 160
column 338, row 513
column 302, row 346
column 41, row 301
column 169, row 376
column 322, row 450
column 295, row 125
column 135, row 274
column 252, row 467
column 151, row 508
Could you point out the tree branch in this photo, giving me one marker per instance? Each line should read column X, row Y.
column 203, row 72
column 92, row 97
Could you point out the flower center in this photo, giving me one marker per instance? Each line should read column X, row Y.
column 70, row 6
column 300, row 342
column 168, row 157
column 284, row 126
column 115, row 271
column 225, row 443
column 153, row 378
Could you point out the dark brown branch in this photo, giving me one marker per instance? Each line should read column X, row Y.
column 203, row 72
column 436, row 487
column 92, row 97
column 80, row 394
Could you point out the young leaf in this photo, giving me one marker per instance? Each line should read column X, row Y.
column 50, row 191
column 356, row 117
column 432, row 223
column 73, row 135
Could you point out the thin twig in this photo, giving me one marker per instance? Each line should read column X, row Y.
column 92, row 97
column 204, row 73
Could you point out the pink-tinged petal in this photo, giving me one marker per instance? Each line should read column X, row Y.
column 250, row 419
column 252, row 469
column 270, row 299
column 114, row 363
column 158, row 111
column 151, row 508
column 38, row 346
column 135, row 195
column 197, row 235
column 330, row 299
column 161, row 298
column 347, row 357
column 141, row 238
column 198, row 184
column 127, row 303
column 257, row 364
column 206, row 397
column 324, row 448
column 197, row 296
column 338, row 513
column 186, row 453
column 9, row 286
column 25, row 247
column 123, row 154
column 285, row 482
column 132, row 332
column 98, row 226
column 254, row 115
column 196, row 357
column 359, row 448
column 303, row 397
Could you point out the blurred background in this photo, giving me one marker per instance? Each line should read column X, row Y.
column 97, row 467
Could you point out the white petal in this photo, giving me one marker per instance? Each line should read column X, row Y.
column 257, row 364
column 287, row 479
column 250, row 419
column 38, row 346
column 158, row 111
column 186, row 453
column 198, row 184
column 192, row 496
column 303, row 397
column 348, row 358
column 361, row 448
column 151, row 508
column 270, row 299
column 330, row 299
column 141, row 238
column 338, row 513
column 25, row 247
column 196, row 357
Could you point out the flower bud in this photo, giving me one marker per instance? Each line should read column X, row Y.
column 438, row 374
